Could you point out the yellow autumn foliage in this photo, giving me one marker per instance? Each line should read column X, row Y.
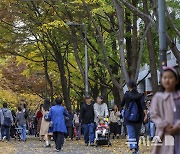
column 52, row 25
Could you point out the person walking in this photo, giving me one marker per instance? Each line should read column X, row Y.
column 0, row 133
column 39, row 117
column 87, row 119
column 45, row 123
column 25, row 110
column 149, row 124
column 165, row 113
column 123, row 126
column 21, row 122
column 100, row 109
column 69, row 125
column 77, row 125
column 114, row 121
column 12, row 129
column 57, row 120
column 6, row 120
column 135, row 109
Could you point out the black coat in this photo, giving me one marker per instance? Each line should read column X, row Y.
column 139, row 98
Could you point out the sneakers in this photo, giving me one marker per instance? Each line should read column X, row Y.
column 117, row 136
column 77, row 138
column 57, row 150
column 86, row 144
column 48, row 146
column 3, row 139
column 92, row 144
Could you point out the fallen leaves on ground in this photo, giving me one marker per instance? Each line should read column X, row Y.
column 7, row 148
column 34, row 146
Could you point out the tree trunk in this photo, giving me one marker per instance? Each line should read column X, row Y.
column 120, row 15
column 116, row 96
column 134, row 53
column 144, row 17
column 48, row 79
column 63, row 79
column 128, row 38
column 104, row 91
column 150, row 43
column 95, row 91
column 103, row 48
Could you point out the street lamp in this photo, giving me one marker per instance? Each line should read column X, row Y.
column 162, row 33
column 86, row 54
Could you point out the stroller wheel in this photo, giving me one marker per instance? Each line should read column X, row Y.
column 109, row 144
column 96, row 144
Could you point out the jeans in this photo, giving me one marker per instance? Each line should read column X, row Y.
column 58, row 139
column 78, row 130
column 5, row 131
column 150, row 129
column 22, row 130
column 89, row 133
column 133, row 131
column 0, row 133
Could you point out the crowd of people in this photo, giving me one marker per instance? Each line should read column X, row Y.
column 54, row 122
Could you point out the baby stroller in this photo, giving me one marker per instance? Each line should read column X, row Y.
column 102, row 133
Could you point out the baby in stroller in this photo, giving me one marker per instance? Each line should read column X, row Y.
column 102, row 133
column 102, row 128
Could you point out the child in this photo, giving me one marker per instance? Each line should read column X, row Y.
column 115, row 122
column 21, row 121
column 77, row 126
column 164, row 111
column 149, row 125
column 101, row 128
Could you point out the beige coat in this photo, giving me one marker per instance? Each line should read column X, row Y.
column 114, row 117
column 161, row 111
column 44, row 124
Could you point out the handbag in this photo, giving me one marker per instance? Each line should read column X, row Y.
column 46, row 117
column 7, row 121
column 50, row 124
column 119, row 122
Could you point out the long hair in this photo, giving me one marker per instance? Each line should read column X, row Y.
column 40, row 108
column 47, row 104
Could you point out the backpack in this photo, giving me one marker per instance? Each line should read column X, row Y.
column 131, row 112
column 7, row 120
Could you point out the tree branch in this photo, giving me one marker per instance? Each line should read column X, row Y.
column 141, row 50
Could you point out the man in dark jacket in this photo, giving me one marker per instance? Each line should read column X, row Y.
column 6, row 120
column 87, row 119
